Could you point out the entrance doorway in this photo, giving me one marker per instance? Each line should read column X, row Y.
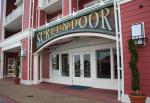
column 82, row 69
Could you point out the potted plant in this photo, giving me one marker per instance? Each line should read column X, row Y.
column 17, row 79
column 135, row 97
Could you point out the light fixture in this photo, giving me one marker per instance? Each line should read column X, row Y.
column 22, row 53
column 138, row 33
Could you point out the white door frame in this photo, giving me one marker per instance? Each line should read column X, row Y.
column 85, row 81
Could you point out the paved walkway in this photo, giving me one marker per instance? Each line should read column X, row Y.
column 10, row 93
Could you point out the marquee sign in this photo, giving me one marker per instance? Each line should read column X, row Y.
column 100, row 20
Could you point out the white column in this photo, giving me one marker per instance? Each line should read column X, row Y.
column 1, row 64
column 35, row 71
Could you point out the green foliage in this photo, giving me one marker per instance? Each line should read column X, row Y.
column 133, row 66
column 17, row 67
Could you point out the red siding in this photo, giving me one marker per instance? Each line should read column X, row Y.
column 45, row 65
column 42, row 17
column 74, row 5
column 26, row 15
column 35, row 14
column 82, row 2
column 132, row 13
column 25, row 60
column 65, row 7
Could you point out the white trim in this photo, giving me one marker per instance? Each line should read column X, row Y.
column 15, row 38
column 121, row 50
column 35, row 73
column 124, row 1
column 41, row 56
column 76, row 34
column 117, row 48
column 1, row 64
column 13, row 45
column 70, row 7
column 125, row 98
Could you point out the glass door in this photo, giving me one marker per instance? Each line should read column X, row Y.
column 82, row 69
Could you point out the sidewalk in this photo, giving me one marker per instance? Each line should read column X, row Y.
column 11, row 93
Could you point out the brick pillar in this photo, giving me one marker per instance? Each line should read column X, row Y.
column 25, row 62
column 26, row 15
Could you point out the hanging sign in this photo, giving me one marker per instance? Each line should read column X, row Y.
column 100, row 20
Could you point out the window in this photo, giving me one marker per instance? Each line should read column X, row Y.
column 91, row 3
column 55, row 62
column 65, row 65
column 115, row 64
column 138, row 33
column 103, row 63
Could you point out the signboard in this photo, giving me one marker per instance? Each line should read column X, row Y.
column 100, row 21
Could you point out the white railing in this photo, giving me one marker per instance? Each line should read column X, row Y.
column 14, row 14
column 44, row 3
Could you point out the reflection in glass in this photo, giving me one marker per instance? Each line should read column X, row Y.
column 115, row 63
column 65, row 65
column 103, row 63
column 87, row 65
column 77, row 65
column 55, row 62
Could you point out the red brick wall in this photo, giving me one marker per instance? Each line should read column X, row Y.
column 26, row 15
column 25, row 60
column 65, row 7
column 132, row 13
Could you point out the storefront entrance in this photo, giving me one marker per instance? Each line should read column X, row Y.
column 82, row 69
column 84, row 63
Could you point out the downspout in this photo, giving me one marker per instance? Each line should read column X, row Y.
column 121, row 50
column 31, row 35
column 29, row 45
column 117, row 46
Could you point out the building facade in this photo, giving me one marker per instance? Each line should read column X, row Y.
column 75, row 42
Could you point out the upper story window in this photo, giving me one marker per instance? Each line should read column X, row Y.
column 91, row 3
column 81, row 4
